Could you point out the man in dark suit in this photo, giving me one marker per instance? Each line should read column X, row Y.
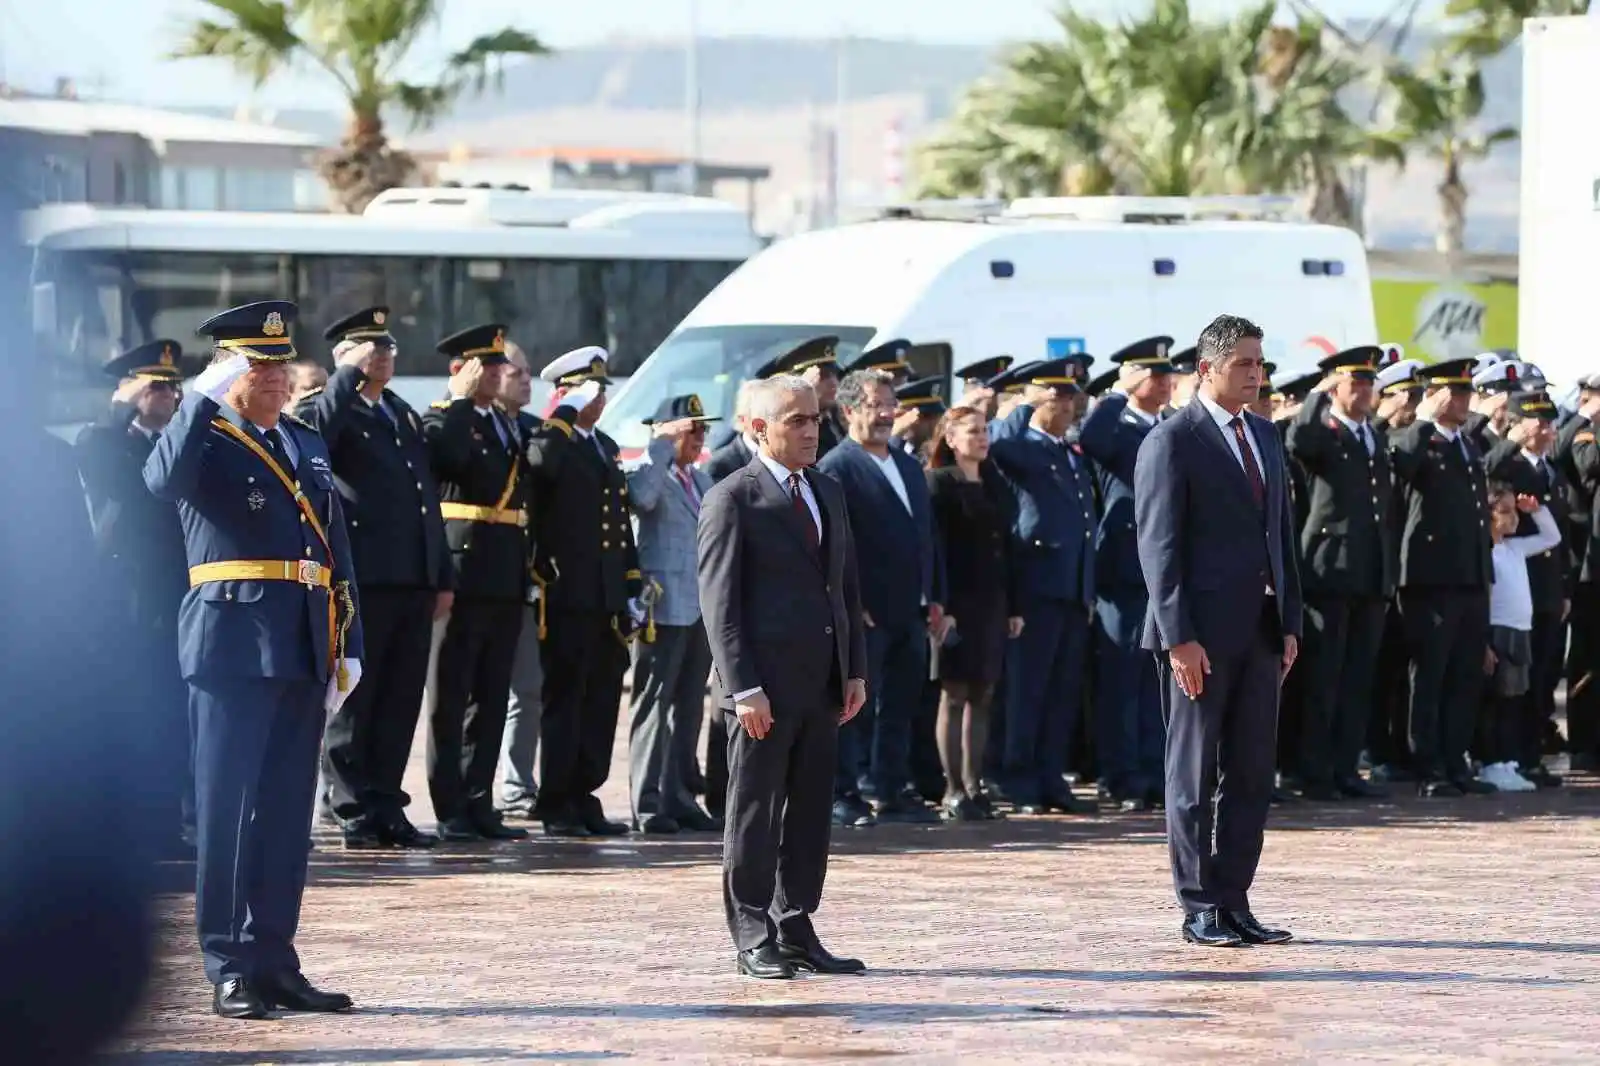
column 1216, row 541
column 1053, row 553
column 1578, row 459
column 1348, row 552
column 477, row 457
column 738, row 452
column 1445, row 573
column 1129, row 737
column 1522, row 460
column 778, row 587
column 403, row 571
column 887, row 496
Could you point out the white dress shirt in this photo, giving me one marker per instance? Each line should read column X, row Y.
column 290, row 452
column 1224, row 422
column 781, row 474
column 1362, row 430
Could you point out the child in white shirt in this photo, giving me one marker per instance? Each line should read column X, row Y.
column 1510, row 651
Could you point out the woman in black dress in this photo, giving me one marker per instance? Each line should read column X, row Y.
column 972, row 513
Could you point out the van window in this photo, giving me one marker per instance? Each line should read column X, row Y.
column 710, row 361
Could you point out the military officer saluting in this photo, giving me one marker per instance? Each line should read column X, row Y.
column 143, row 540
column 403, row 571
column 269, row 640
column 1348, row 569
column 483, row 479
column 585, row 551
column 975, row 378
column 892, row 357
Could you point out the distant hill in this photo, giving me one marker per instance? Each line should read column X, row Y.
column 770, row 101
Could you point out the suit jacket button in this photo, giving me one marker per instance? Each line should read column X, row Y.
column 828, row 630
column 424, row 509
column 354, row 523
column 605, row 544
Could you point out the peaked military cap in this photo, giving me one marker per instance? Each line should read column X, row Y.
column 1152, row 352
column 1531, row 405
column 1506, row 375
column 926, row 394
column 1392, row 354
column 1400, row 375
column 819, row 351
column 1185, row 361
column 1012, row 378
column 1070, row 373
column 588, row 363
column 161, row 360
column 1267, row 370
column 1360, row 362
column 890, row 355
column 984, row 369
column 368, row 324
column 1298, row 388
column 258, row 331
column 677, row 408
column 485, row 343
column 1456, row 373
column 1099, row 385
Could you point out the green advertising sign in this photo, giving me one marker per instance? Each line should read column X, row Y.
column 1435, row 321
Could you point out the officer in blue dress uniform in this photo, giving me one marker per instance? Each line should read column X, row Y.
column 269, row 639
column 1055, row 559
column 975, row 377
column 921, row 405
column 892, row 357
column 141, row 539
column 403, row 573
column 1130, row 736
column 484, row 481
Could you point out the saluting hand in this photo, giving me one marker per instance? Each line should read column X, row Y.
column 1190, row 667
column 755, row 714
column 360, row 356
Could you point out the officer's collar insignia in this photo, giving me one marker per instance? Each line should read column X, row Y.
column 378, row 318
column 273, row 326
column 695, row 410
column 317, row 460
column 256, row 500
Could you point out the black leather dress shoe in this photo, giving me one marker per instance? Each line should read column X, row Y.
column 1207, row 930
column 490, row 827
column 459, row 830
column 400, row 833
column 362, row 837
column 817, row 959
column 1357, row 788
column 852, row 812
column 599, row 825
column 765, row 963
column 234, row 997
column 1245, row 926
column 290, row 990
column 1065, row 802
column 698, row 821
column 1437, row 788
column 658, row 825
column 1471, row 786
column 1133, row 805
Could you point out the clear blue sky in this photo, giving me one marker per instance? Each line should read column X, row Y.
column 117, row 45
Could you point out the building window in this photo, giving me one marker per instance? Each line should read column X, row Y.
column 119, row 183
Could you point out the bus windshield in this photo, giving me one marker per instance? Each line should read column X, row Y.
column 710, row 361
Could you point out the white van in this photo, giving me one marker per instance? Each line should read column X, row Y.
column 1036, row 278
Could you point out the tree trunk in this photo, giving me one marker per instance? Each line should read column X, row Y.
column 364, row 164
column 1330, row 200
column 1089, row 177
column 1452, row 235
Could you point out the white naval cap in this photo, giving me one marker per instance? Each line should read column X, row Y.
column 577, row 366
column 1404, row 374
column 1508, row 375
column 1392, row 354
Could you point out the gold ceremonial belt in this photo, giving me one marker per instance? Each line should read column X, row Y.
column 301, row 571
column 469, row 512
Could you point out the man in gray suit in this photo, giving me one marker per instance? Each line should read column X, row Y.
column 672, row 660
column 783, row 615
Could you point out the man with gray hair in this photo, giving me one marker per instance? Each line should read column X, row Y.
column 778, row 587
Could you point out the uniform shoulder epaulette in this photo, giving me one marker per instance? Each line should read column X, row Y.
column 314, row 392
column 556, row 423
column 441, row 404
column 1585, row 437
column 302, row 423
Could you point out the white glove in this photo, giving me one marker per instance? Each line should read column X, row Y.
column 335, row 699
column 215, row 380
column 583, row 395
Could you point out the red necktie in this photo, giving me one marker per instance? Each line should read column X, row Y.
column 1258, row 488
column 688, row 487
column 798, row 502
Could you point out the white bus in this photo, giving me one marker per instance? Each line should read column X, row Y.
column 561, row 269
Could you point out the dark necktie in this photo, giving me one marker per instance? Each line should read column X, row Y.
column 383, row 410
column 798, row 502
column 1258, row 488
column 687, row 481
column 275, row 448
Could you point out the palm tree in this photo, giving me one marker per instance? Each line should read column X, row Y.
column 1488, row 27
column 363, row 47
column 1435, row 109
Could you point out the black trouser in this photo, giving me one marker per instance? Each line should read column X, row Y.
column 1343, row 634
column 1388, row 726
column 1447, row 632
column 779, row 817
column 368, row 739
column 1583, row 672
column 1549, row 646
column 584, row 660
column 717, row 762
column 474, row 670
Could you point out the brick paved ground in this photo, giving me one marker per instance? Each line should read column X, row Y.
column 1454, row 931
